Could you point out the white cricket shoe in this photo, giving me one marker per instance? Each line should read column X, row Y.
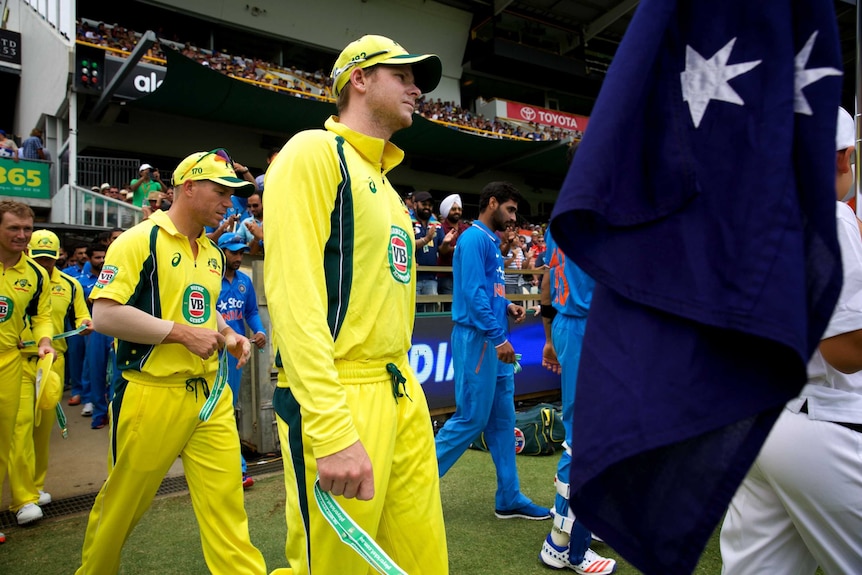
column 558, row 558
column 29, row 513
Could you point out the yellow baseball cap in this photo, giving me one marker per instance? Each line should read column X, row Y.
column 215, row 165
column 48, row 385
column 44, row 244
column 372, row 50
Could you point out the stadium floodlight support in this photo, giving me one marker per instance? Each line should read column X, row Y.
column 147, row 40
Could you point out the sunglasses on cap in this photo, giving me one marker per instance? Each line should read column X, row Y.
column 218, row 152
column 356, row 61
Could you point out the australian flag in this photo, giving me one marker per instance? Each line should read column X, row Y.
column 702, row 201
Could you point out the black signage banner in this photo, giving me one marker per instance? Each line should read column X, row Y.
column 431, row 359
column 143, row 80
column 10, row 47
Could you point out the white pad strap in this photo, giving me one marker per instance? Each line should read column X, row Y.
column 568, row 448
column 564, row 524
column 562, row 488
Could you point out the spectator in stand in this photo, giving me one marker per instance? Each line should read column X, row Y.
column 273, row 152
column 8, row 147
column 250, row 230
column 429, row 235
column 167, row 199
column 453, row 226
column 32, row 147
column 154, row 202
column 149, row 181
column 408, row 201
column 237, row 304
column 513, row 259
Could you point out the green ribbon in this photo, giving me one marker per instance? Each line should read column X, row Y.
column 518, row 367
column 65, row 334
column 220, row 382
column 353, row 535
column 61, row 420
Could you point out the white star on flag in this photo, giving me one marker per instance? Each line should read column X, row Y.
column 803, row 77
column 705, row 80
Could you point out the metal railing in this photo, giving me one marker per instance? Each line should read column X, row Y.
column 78, row 206
column 96, row 170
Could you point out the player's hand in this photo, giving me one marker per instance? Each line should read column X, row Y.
column 45, row 348
column 347, row 473
column 89, row 328
column 200, row 341
column 549, row 358
column 517, row 312
column 506, row 353
column 238, row 346
column 259, row 339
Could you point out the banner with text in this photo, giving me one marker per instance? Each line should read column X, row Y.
column 25, row 179
column 431, row 359
column 525, row 113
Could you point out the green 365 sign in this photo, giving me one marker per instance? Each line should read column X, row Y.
column 24, row 179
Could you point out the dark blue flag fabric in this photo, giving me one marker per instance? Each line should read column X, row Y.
column 702, row 201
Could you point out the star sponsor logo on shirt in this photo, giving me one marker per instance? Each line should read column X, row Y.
column 7, row 307
column 196, row 304
column 106, row 276
column 400, row 254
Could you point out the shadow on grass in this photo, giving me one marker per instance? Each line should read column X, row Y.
column 166, row 541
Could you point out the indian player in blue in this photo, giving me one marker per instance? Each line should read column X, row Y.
column 566, row 295
column 237, row 302
column 485, row 379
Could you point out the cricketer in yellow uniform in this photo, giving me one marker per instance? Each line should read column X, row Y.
column 24, row 294
column 341, row 288
column 153, row 268
column 28, row 463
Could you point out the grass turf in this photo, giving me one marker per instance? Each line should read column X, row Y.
column 166, row 540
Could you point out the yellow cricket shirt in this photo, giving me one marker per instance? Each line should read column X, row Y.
column 151, row 267
column 67, row 301
column 24, row 292
column 339, row 273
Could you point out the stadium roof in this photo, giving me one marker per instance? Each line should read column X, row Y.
column 195, row 91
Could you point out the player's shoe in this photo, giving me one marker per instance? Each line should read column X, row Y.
column 44, row 498
column 87, row 410
column 558, row 558
column 75, row 400
column 29, row 513
column 2, row 538
column 247, row 481
column 528, row 511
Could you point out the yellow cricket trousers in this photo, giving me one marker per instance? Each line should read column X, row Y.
column 405, row 516
column 151, row 424
column 10, row 396
column 28, row 461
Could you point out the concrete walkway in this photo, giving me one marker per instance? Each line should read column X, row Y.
column 77, row 465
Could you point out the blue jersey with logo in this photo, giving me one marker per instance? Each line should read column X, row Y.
column 237, row 302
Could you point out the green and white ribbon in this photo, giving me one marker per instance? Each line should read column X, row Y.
column 218, row 387
column 65, row 334
column 518, row 367
column 61, row 420
column 353, row 535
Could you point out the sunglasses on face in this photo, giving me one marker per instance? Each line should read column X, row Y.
column 218, row 152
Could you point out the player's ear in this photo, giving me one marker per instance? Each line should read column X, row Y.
column 845, row 159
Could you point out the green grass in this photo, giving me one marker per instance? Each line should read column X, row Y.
column 166, row 540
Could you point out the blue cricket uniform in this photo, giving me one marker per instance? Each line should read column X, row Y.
column 484, row 386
